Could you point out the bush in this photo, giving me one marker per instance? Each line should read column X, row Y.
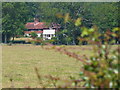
column 33, row 35
column 17, row 41
column 37, row 41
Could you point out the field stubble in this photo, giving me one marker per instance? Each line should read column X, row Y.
column 19, row 61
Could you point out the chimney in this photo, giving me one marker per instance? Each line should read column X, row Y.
column 36, row 20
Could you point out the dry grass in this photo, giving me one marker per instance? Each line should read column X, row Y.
column 19, row 61
column 0, row 66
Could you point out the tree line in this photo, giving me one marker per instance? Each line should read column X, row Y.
column 16, row 14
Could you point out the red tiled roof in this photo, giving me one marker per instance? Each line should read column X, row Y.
column 28, row 32
column 40, row 25
column 36, row 25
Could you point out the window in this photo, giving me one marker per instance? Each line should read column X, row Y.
column 48, row 35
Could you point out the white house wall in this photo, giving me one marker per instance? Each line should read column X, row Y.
column 49, row 31
column 39, row 34
column 27, row 35
column 48, row 34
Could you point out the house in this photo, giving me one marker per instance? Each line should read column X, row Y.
column 42, row 29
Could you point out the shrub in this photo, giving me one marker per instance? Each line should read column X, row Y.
column 33, row 35
column 101, row 70
column 36, row 41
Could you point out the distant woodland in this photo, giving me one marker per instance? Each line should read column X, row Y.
column 16, row 14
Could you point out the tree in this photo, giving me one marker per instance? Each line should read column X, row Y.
column 14, row 17
column 104, row 15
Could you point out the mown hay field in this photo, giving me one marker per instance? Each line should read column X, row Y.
column 19, row 62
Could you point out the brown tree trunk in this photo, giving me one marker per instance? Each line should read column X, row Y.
column 13, row 37
column 5, row 38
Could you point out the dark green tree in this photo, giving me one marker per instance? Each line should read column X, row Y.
column 14, row 16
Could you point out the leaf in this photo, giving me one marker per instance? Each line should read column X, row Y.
column 116, row 71
column 113, row 34
column 78, row 22
column 66, row 17
column 84, row 33
column 103, row 46
column 91, row 30
column 87, row 84
column 85, row 78
column 59, row 15
column 81, row 73
column 111, row 84
column 116, row 29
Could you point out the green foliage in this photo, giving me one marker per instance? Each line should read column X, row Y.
column 102, row 68
column 37, row 41
column 66, row 17
column 78, row 22
column 68, row 13
column 116, row 29
column 14, row 17
column 85, row 32
column 105, row 12
column 54, row 40
column 34, row 42
column 33, row 35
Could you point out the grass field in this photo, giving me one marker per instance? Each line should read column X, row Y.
column 19, row 61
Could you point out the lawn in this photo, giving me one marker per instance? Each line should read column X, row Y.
column 19, row 61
